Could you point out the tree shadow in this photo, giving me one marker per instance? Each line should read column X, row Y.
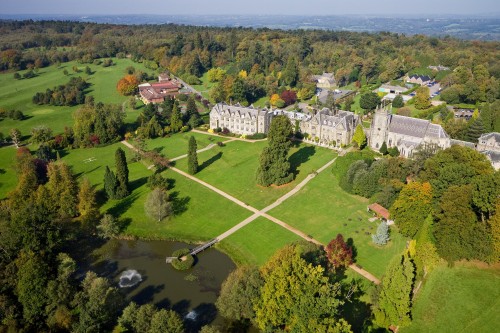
column 163, row 304
column 79, row 174
column 300, row 157
column 205, row 314
column 123, row 205
column 179, row 205
column 135, row 184
column 146, row 295
column 358, row 313
column 350, row 243
column 124, row 223
column 181, row 307
column 170, row 184
column 210, row 161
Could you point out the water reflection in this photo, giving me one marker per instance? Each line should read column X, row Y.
column 139, row 268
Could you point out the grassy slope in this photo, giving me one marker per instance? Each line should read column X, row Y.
column 322, row 209
column 458, row 299
column 256, row 242
column 232, row 169
column 17, row 94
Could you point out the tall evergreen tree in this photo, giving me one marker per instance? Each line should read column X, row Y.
column 476, row 128
column 274, row 166
column 175, row 119
column 359, row 137
column 192, row 156
column 110, row 183
column 121, row 174
column 394, row 301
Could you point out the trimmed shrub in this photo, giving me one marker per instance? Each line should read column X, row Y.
column 185, row 264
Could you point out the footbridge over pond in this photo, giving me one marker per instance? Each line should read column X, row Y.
column 197, row 249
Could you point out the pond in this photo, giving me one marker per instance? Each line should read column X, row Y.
column 138, row 268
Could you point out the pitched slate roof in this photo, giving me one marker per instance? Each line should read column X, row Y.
column 340, row 119
column 424, row 78
column 488, row 136
column 237, row 109
column 418, row 128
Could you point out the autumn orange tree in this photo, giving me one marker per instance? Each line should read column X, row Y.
column 127, row 85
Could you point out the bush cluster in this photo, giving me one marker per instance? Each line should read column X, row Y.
column 185, row 264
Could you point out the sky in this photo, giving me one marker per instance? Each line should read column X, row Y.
column 252, row 7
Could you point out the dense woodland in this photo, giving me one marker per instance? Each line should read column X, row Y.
column 445, row 203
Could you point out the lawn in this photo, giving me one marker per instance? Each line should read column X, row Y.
column 322, row 209
column 232, row 169
column 177, row 144
column 17, row 94
column 458, row 299
column 256, row 242
column 8, row 177
column 91, row 162
column 200, row 214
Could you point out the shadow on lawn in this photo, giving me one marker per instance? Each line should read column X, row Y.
column 300, row 157
column 135, row 184
column 123, row 205
column 179, row 205
column 210, row 161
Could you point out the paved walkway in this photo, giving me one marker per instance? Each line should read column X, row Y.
column 263, row 212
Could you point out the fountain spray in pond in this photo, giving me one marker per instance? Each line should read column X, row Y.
column 191, row 315
column 129, row 278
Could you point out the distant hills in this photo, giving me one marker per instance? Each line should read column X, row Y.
column 479, row 27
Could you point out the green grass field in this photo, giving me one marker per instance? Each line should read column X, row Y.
column 323, row 210
column 256, row 242
column 232, row 169
column 17, row 94
column 177, row 144
column 197, row 217
column 457, row 299
column 198, row 214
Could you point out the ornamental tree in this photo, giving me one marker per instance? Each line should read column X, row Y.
column 339, row 253
column 382, row 235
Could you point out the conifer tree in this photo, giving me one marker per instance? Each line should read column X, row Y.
column 382, row 235
column 359, row 137
column 192, row 156
column 121, row 174
column 476, row 128
column 394, row 301
column 175, row 119
column 274, row 166
column 110, row 183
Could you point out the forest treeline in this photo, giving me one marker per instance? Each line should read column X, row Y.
column 269, row 58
